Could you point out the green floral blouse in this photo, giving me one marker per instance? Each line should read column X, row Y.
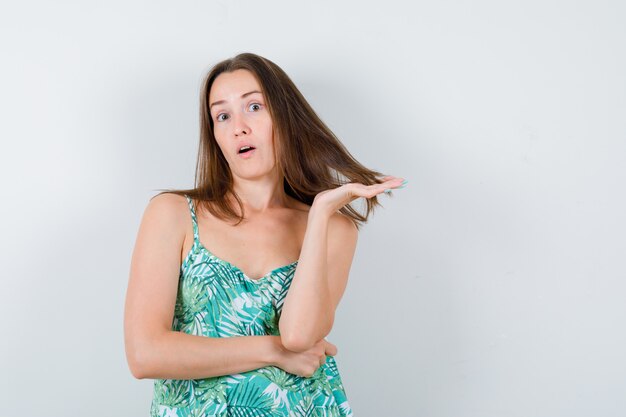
column 216, row 299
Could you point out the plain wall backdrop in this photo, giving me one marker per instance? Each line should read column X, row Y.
column 493, row 285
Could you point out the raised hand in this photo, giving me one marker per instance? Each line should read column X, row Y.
column 330, row 201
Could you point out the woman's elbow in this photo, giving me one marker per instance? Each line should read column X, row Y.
column 301, row 341
column 137, row 358
column 296, row 343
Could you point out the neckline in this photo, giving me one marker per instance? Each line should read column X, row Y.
column 239, row 270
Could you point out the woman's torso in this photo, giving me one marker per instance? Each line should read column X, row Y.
column 278, row 234
column 228, row 297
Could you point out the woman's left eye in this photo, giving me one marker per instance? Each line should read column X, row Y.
column 254, row 104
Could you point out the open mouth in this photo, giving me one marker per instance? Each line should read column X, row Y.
column 246, row 149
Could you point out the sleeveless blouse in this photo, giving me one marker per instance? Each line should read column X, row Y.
column 216, row 299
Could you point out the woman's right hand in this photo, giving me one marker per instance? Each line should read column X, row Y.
column 304, row 363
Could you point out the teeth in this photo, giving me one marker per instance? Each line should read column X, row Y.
column 243, row 148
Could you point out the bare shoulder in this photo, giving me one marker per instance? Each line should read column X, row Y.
column 298, row 205
column 165, row 218
column 344, row 225
column 167, row 202
column 167, row 209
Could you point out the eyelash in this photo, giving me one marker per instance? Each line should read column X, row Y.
column 217, row 118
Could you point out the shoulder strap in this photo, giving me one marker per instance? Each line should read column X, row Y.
column 194, row 220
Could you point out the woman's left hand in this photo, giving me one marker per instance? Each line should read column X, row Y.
column 330, row 201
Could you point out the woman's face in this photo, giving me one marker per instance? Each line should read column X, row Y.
column 240, row 117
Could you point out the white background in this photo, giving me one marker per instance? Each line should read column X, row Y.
column 491, row 286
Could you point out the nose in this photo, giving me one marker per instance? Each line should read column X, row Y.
column 241, row 128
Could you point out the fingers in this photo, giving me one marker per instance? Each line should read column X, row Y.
column 387, row 186
column 389, row 181
column 331, row 349
column 394, row 180
column 387, row 178
column 369, row 191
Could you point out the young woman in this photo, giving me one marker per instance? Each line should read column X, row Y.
column 234, row 284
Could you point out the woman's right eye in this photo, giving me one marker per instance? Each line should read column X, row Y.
column 218, row 117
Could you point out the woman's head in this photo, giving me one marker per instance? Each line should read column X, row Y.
column 239, row 117
column 301, row 150
column 281, row 98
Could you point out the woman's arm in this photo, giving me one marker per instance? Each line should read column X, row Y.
column 177, row 355
column 325, row 260
column 320, row 279
column 153, row 350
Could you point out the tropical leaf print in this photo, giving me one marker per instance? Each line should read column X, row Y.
column 245, row 393
column 215, row 299
column 210, row 389
column 304, row 407
column 282, row 379
column 171, row 392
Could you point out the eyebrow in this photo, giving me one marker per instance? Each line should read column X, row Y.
column 224, row 101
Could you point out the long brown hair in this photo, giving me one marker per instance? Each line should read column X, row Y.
column 309, row 156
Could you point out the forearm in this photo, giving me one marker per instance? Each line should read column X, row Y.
column 177, row 355
column 306, row 315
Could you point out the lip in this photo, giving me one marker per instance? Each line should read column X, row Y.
column 247, row 155
column 242, row 144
